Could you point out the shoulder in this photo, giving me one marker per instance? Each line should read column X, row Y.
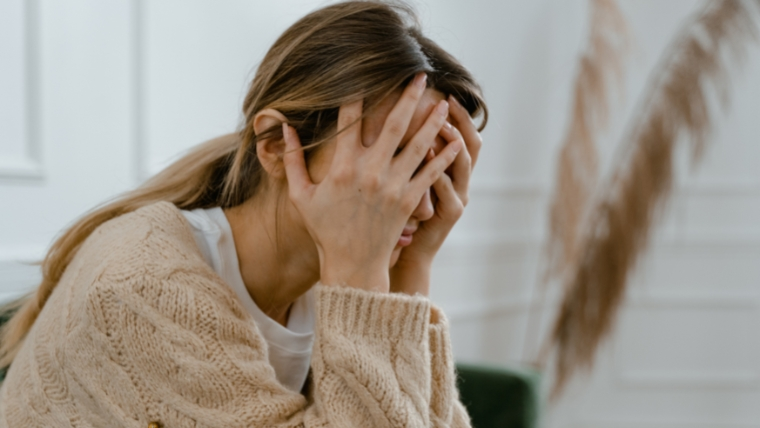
column 149, row 253
column 152, row 234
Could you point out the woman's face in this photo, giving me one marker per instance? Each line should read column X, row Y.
column 371, row 126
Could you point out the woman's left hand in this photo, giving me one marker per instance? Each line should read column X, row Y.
column 411, row 274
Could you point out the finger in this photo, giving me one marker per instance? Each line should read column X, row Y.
column 461, row 169
column 349, row 136
column 450, row 133
column 414, row 152
column 398, row 119
column 449, row 204
column 460, row 177
column 433, row 169
column 295, row 165
column 467, row 127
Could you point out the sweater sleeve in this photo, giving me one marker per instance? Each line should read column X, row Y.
column 175, row 351
column 445, row 408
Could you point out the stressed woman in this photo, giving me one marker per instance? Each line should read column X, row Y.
column 277, row 276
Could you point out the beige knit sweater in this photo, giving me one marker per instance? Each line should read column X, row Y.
column 140, row 329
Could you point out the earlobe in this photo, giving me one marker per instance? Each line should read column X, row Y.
column 270, row 150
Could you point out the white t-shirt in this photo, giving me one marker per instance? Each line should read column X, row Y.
column 289, row 347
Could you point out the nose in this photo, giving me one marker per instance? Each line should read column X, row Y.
column 424, row 210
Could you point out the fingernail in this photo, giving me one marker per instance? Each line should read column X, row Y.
column 447, row 125
column 442, row 108
column 420, row 80
column 430, row 154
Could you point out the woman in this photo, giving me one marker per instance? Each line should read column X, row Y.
column 277, row 276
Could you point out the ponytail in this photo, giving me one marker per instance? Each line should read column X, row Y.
column 194, row 181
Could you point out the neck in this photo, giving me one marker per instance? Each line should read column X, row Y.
column 276, row 270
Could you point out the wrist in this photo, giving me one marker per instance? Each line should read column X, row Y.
column 411, row 278
column 414, row 261
column 369, row 278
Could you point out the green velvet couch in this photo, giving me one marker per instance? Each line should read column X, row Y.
column 499, row 397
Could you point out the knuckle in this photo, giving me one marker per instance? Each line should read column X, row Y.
column 408, row 203
column 418, row 149
column 372, row 182
column 477, row 140
column 432, row 174
column 343, row 174
column 467, row 157
column 458, row 210
column 394, row 128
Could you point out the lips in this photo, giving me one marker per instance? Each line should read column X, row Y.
column 406, row 236
column 409, row 230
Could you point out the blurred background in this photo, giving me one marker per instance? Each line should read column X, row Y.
column 96, row 96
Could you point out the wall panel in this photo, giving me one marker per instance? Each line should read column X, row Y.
column 19, row 145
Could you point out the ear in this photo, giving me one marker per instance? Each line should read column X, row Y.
column 270, row 150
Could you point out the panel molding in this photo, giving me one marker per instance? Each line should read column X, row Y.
column 21, row 167
column 30, row 166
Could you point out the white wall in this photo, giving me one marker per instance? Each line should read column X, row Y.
column 94, row 96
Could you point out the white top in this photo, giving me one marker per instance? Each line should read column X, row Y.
column 289, row 347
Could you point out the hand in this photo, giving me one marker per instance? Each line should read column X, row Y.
column 357, row 212
column 411, row 274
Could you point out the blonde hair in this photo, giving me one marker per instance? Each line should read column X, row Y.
column 335, row 55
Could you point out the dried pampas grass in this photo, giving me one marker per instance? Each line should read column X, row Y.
column 676, row 109
column 600, row 68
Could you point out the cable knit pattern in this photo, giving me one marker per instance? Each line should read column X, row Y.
column 140, row 329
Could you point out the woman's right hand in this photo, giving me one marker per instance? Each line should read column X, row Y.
column 358, row 211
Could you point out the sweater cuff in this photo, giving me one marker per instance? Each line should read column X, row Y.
column 444, row 390
column 440, row 342
column 353, row 312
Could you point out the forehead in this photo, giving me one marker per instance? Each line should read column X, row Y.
column 373, row 122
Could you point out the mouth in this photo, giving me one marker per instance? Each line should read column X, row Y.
column 406, row 236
